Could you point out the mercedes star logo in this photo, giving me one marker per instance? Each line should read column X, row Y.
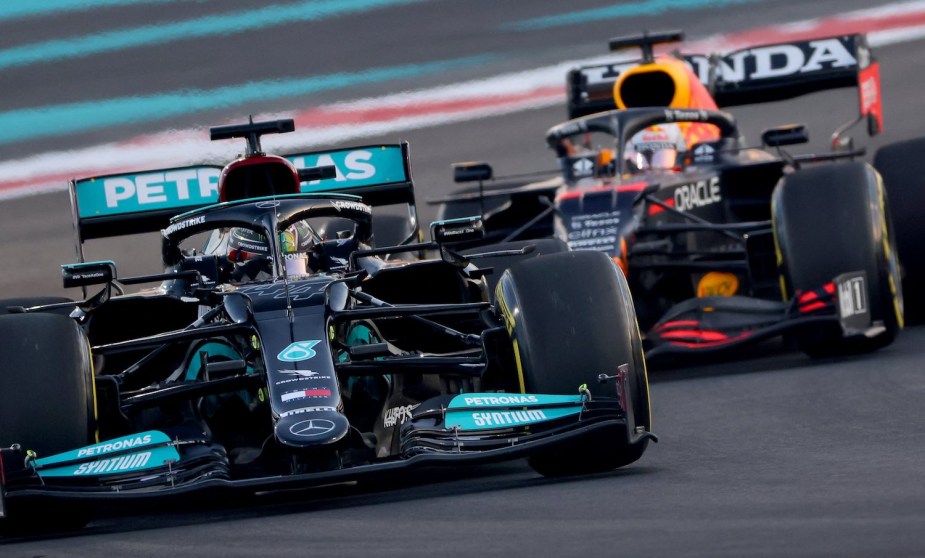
column 267, row 204
column 312, row 428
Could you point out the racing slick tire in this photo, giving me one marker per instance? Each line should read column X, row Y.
column 25, row 302
column 571, row 318
column 902, row 166
column 48, row 406
column 47, row 383
column 830, row 220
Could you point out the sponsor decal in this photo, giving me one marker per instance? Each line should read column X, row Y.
column 305, row 394
column 717, row 283
column 116, row 445
column 354, row 167
column 652, row 146
column 300, row 376
column 681, row 115
column 109, row 446
column 596, row 231
column 508, row 418
column 179, row 226
column 146, row 457
column 131, row 193
column 605, row 74
column 510, row 400
column 482, row 420
column 869, row 93
column 298, row 351
column 583, row 167
column 852, row 297
column 312, row 428
column 307, row 410
column 116, row 464
column 291, row 380
column 654, row 133
column 776, row 61
column 601, row 244
column 397, row 415
column 704, row 153
column 300, row 373
column 495, row 400
column 572, row 128
column 448, row 232
column 697, row 194
column 351, row 205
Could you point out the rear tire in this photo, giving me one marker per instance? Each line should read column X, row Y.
column 575, row 320
column 902, row 166
column 830, row 220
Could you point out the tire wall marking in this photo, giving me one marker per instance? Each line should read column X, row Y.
column 509, row 322
column 96, row 422
column 645, row 377
column 885, row 240
column 778, row 255
column 629, row 311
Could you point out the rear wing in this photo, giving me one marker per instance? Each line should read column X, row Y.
column 756, row 74
column 131, row 203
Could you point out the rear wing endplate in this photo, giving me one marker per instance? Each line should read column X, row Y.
column 138, row 202
column 756, row 74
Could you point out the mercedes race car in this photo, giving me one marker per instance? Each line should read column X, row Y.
column 281, row 349
column 723, row 244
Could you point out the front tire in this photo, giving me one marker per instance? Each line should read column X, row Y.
column 830, row 220
column 571, row 318
column 47, row 382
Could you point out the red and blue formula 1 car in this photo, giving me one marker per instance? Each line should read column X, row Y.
column 723, row 244
column 282, row 350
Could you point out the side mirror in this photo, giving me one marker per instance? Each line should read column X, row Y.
column 238, row 307
column 89, row 273
column 452, row 231
column 789, row 134
column 471, row 172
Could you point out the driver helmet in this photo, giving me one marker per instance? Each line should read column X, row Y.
column 655, row 148
column 296, row 244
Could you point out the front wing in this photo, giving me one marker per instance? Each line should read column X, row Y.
column 714, row 324
column 446, row 430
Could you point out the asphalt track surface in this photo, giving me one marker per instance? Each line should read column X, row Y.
column 774, row 455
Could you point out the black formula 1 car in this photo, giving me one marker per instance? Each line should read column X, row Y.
column 276, row 355
column 722, row 244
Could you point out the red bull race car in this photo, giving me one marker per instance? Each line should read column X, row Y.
column 723, row 243
column 282, row 349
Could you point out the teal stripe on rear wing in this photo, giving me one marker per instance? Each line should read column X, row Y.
column 380, row 174
column 136, row 202
column 117, row 204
